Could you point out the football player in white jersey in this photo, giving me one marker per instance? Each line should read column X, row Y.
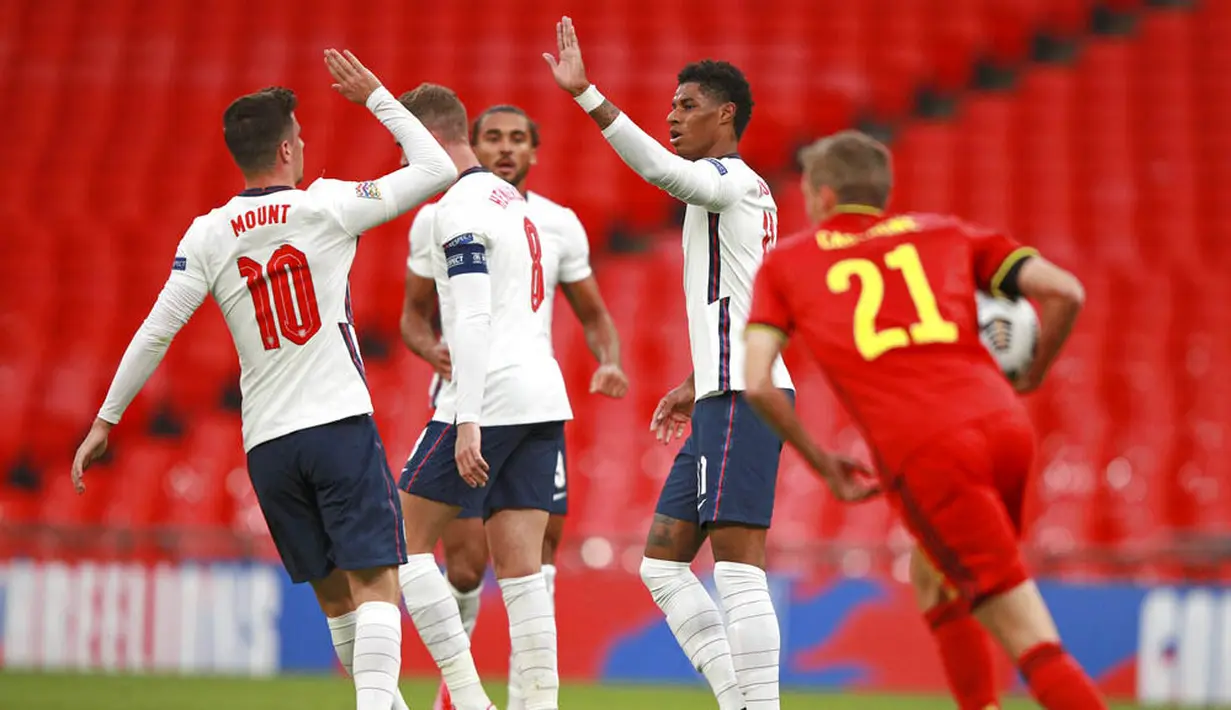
column 277, row 261
column 493, row 444
column 722, row 483
column 505, row 140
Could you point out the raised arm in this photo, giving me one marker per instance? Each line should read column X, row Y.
column 429, row 170
column 181, row 295
column 696, row 183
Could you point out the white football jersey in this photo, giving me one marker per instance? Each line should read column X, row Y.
column 722, row 252
column 524, row 383
column 277, row 262
column 566, row 259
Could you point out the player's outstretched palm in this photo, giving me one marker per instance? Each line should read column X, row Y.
column 848, row 480
column 568, row 70
column 92, row 449
column 354, row 81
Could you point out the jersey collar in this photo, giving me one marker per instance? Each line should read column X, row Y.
column 261, row 191
column 473, row 171
column 858, row 209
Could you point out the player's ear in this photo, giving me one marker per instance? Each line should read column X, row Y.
column 726, row 112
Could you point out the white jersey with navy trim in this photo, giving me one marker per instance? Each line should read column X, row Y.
column 524, row 383
column 565, row 259
column 278, row 264
column 730, row 223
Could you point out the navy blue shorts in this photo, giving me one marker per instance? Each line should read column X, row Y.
column 522, row 462
column 727, row 469
column 559, row 499
column 329, row 499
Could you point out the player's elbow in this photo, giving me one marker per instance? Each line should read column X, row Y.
column 760, row 388
column 1044, row 281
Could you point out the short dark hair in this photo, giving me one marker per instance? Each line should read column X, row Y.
column 439, row 109
column 725, row 82
column 255, row 125
column 856, row 166
column 505, row 108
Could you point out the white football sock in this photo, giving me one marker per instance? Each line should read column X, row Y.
column 532, row 634
column 439, row 623
column 694, row 620
column 549, row 576
column 342, row 630
column 378, row 655
column 467, row 605
column 752, row 626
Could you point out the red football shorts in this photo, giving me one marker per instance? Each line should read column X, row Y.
column 961, row 497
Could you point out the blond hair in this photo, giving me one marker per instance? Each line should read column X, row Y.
column 856, row 166
column 439, row 110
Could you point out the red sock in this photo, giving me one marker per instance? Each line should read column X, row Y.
column 966, row 652
column 1056, row 681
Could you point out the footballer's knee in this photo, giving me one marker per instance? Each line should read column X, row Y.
column 928, row 583
column 551, row 538
column 673, row 540
column 376, row 584
column 743, row 544
column 465, row 547
column 1018, row 618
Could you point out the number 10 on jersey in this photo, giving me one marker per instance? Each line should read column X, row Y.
column 299, row 316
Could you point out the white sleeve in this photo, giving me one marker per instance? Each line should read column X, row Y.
column 470, row 284
column 181, row 295
column 419, row 262
column 575, row 252
column 705, row 183
column 359, row 206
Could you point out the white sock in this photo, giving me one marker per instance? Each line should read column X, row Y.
column 532, row 634
column 378, row 655
column 752, row 626
column 467, row 605
column 439, row 624
column 549, row 576
column 694, row 620
column 342, row 630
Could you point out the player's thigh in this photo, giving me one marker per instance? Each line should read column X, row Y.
column 289, row 505
column 357, row 496
column 465, row 545
column 1012, row 443
column 1018, row 618
column 947, row 501
column 737, row 456
column 675, row 534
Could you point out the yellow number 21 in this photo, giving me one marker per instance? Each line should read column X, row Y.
column 872, row 343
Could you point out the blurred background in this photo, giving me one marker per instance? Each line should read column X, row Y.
column 1099, row 132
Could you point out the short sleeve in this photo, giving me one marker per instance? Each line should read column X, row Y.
column 997, row 258
column 357, row 206
column 575, row 250
column 421, row 242
column 770, row 307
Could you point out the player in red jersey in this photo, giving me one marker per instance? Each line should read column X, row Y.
column 886, row 306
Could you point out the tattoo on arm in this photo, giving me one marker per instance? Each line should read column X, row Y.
column 605, row 114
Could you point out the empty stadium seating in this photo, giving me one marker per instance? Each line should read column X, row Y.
column 1113, row 163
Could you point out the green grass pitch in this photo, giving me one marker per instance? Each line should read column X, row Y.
column 33, row 691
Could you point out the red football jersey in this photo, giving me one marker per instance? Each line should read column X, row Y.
column 886, row 305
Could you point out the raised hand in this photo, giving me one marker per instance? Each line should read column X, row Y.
column 354, row 81
column 568, row 70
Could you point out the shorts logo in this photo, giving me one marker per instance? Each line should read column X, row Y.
column 368, row 190
column 180, row 264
